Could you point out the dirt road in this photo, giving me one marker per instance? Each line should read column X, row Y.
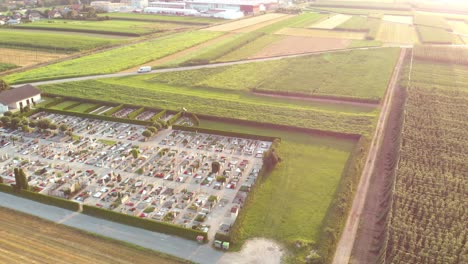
column 346, row 243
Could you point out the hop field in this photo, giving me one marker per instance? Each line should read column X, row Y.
column 428, row 217
column 456, row 55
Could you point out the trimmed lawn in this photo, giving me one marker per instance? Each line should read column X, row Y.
column 292, row 202
column 63, row 105
column 83, row 108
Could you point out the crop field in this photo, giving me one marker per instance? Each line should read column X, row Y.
column 398, row 19
column 431, row 21
column 436, row 35
column 364, row 43
column 163, row 18
column 296, row 45
column 331, row 22
column 19, row 39
column 366, row 80
column 357, row 11
column 296, row 195
column 6, row 66
column 250, row 50
column 428, row 218
column 223, row 103
column 133, row 28
column 459, row 27
column 356, row 23
column 397, row 33
column 303, row 32
column 258, row 26
column 27, row 57
column 447, row 54
column 116, row 59
column 29, row 239
column 236, row 25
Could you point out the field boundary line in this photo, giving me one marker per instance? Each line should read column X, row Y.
column 346, row 243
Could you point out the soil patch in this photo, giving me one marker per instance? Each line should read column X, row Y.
column 296, row 45
column 258, row 250
column 27, row 57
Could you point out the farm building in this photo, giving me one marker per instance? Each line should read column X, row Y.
column 17, row 98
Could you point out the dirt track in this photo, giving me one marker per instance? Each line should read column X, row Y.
column 348, row 237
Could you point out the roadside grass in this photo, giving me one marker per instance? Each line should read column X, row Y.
column 116, row 59
column 364, row 43
column 19, row 39
column 7, row 66
column 223, row 103
column 107, row 26
column 335, row 74
column 435, row 35
column 162, row 18
column 49, row 242
column 291, row 204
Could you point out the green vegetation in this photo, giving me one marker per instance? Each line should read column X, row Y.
column 298, row 192
column 84, row 108
column 431, row 21
column 360, row 23
column 429, row 197
column 364, row 43
column 251, row 48
column 223, row 103
column 385, row 5
column 302, row 20
column 65, row 105
column 362, row 11
column 435, row 35
column 116, row 59
column 338, row 75
column 7, row 66
column 20, row 39
column 107, row 142
column 162, row 18
column 374, row 26
column 131, row 28
column 231, row 44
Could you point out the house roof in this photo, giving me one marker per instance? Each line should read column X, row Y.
column 17, row 94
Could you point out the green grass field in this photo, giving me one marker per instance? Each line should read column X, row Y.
column 108, row 26
column 431, row 21
column 434, row 35
column 356, row 23
column 162, row 18
column 83, row 108
column 63, row 105
column 19, row 39
column 223, row 103
column 338, row 75
column 7, row 66
column 357, row 11
column 292, row 203
column 116, row 59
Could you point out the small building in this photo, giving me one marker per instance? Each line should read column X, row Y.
column 18, row 98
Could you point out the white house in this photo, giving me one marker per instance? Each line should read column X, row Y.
column 17, row 98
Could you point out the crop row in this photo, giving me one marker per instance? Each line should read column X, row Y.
column 50, row 41
column 428, row 219
column 116, row 59
column 431, row 21
column 457, row 55
column 435, row 35
column 6, row 66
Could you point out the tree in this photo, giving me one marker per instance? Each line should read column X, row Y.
column 1, row 180
column 24, row 179
column 63, row 127
column 153, row 129
column 215, row 167
column 15, row 121
column 25, row 128
column 17, row 179
column 6, row 120
column 147, row 134
column 53, row 126
column 8, row 113
column 4, row 86
column 135, row 153
column 43, row 123
column 119, row 178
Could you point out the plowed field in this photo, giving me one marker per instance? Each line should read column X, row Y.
column 26, row 57
column 27, row 239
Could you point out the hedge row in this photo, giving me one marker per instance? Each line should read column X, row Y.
column 99, row 117
column 173, row 119
column 45, row 199
column 195, row 119
column 147, row 224
column 157, row 116
column 135, row 113
column 224, row 133
column 114, row 110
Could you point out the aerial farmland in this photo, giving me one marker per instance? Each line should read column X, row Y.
column 323, row 132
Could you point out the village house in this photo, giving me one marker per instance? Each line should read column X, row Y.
column 18, row 98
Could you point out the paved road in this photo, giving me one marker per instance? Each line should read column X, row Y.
column 160, row 242
column 346, row 243
column 214, row 65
